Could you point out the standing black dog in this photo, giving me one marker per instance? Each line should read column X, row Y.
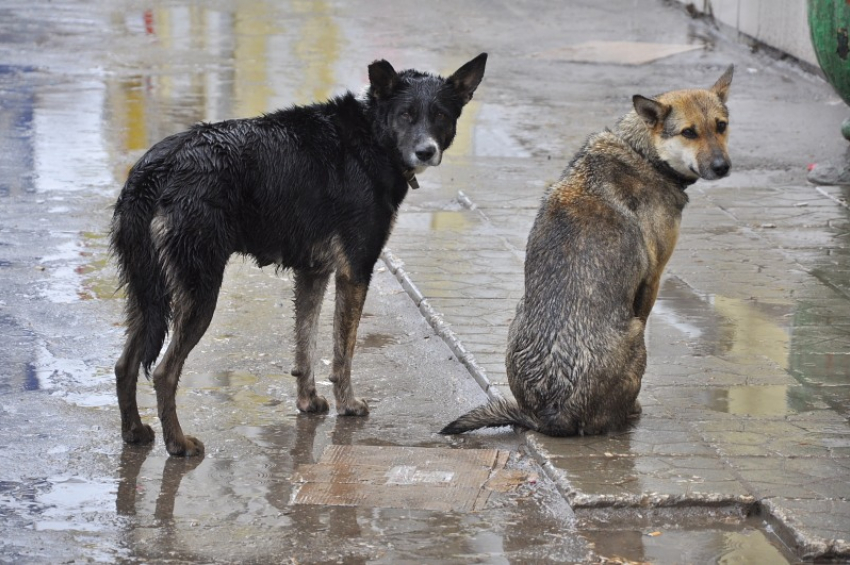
column 315, row 189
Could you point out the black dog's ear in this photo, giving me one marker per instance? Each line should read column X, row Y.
column 467, row 78
column 651, row 111
column 721, row 87
column 383, row 78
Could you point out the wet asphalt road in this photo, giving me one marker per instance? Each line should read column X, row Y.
column 86, row 87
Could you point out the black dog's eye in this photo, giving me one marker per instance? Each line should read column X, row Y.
column 721, row 127
column 406, row 116
column 439, row 116
column 689, row 133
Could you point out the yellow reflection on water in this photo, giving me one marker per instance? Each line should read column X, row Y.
column 318, row 47
column 755, row 332
column 765, row 400
column 253, row 26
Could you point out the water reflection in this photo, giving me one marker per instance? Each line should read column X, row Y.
column 764, row 400
column 318, row 47
column 228, row 66
column 728, row 327
column 798, row 338
column 674, row 543
column 16, row 131
column 253, row 493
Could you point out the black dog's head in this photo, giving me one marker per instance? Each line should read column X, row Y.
column 418, row 111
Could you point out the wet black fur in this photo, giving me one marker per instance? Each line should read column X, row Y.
column 315, row 189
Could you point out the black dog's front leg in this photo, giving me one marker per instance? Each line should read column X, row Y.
column 350, row 297
column 309, row 292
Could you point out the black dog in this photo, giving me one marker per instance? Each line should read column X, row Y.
column 315, row 189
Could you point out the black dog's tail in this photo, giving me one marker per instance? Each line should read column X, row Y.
column 497, row 413
column 141, row 272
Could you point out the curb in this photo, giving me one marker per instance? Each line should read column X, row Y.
column 807, row 546
column 743, row 505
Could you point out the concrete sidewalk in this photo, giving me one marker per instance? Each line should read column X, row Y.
column 747, row 392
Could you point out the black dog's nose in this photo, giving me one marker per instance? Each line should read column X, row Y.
column 720, row 167
column 426, row 153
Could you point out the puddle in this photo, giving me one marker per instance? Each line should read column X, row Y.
column 726, row 327
column 768, row 400
column 64, row 281
column 78, row 162
column 16, row 116
column 78, row 504
column 73, row 380
column 808, row 341
column 77, row 270
column 376, row 341
column 675, row 543
column 224, row 379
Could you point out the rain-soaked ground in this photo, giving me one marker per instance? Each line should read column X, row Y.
column 745, row 401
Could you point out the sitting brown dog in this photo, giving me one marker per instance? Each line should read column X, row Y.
column 576, row 351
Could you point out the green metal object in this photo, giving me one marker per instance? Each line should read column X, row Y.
column 829, row 22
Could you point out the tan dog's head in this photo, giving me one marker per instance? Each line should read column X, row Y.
column 689, row 128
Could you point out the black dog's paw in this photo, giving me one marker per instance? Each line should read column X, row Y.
column 314, row 405
column 356, row 407
column 189, row 447
column 139, row 435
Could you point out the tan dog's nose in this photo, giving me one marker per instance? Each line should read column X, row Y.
column 720, row 166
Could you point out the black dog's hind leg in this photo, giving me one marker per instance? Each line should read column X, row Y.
column 127, row 376
column 194, row 249
column 350, row 297
column 310, row 289
column 191, row 320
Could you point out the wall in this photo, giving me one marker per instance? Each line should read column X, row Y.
column 781, row 24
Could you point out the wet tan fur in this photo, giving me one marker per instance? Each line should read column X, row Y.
column 601, row 240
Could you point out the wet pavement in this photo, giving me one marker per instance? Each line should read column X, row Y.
column 742, row 453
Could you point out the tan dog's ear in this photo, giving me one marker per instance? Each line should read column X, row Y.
column 721, row 87
column 651, row 111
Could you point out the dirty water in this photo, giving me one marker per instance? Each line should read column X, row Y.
column 84, row 96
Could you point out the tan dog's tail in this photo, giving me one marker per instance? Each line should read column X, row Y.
column 497, row 413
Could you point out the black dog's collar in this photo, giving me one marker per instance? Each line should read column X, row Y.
column 410, row 176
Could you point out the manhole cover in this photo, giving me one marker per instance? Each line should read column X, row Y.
column 616, row 52
column 458, row 480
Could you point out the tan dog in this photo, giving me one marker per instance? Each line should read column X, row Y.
column 576, row 352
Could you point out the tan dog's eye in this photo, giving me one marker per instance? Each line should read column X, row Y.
column 721, row 127
column 689, row 133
